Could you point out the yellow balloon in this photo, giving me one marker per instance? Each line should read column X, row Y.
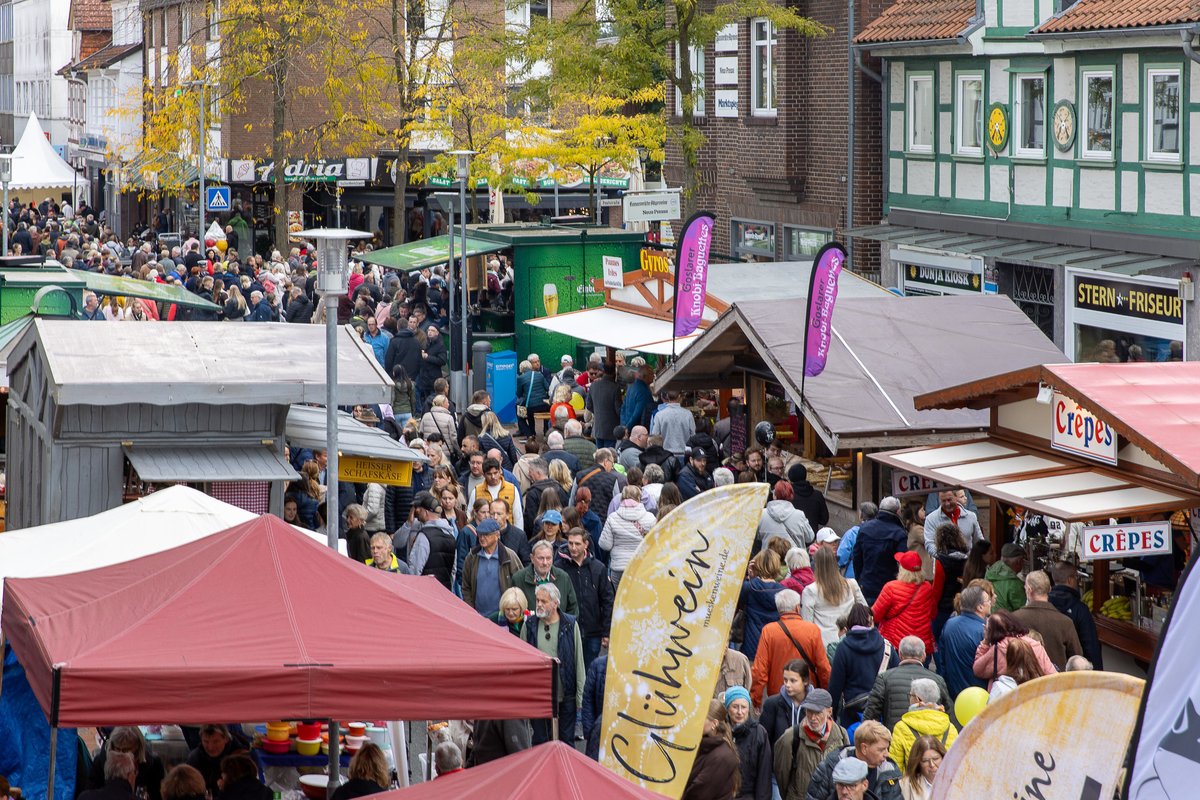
column 577, row 401
column 969, row 703
column 222, row 245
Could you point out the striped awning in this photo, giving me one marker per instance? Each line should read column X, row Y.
column 1019, row 251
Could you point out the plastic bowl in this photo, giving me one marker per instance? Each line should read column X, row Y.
column 276, row 747
column 314, row 786
column 354, row 743
column 278, row 731
column 378, row 735
column 308, row 747
column 308, row 730
column 356, row 729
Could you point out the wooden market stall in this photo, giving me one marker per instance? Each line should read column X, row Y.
column 1096, row 464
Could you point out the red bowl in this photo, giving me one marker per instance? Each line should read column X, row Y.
column 279, row 748
column 308, row 730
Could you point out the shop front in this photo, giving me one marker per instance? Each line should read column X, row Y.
column 930, row 274
column 1089, row 464
column 1118, row 319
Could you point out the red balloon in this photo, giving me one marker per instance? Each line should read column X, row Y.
column 210, row 242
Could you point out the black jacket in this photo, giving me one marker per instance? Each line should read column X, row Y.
column 604, row 485
column 508, row 450
column 355, row 787
column 247, row 789
column 515, row 539
column 875, row 549
column 1067, row 600
column 431, row 365
column 692, row 483
column 492, row 739
column 116, row 789
column 779, row 714
column 150, row 774
column 533, row 500
column 604, row 401
column 404, row 349
column 205, row 314
column 754, row 751
column 594, row 591
column 883, row 782
column 657, row 454
column 812, row 503
column 299, row 309
column 443, row 551
column 397, row 502
column 855, row 667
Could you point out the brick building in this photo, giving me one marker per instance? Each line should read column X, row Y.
column 773, row 108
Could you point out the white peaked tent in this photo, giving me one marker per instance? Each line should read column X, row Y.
column 36, row 165
column 167, row 518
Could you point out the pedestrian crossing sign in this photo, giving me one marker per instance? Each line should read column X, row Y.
column 217, row 198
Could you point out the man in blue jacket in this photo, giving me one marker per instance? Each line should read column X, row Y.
column 961, row 638
column 879, row 540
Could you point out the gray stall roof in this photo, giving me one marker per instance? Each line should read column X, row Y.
column 163, row 363
column 306, row 428
column 883, row 354
column 171, row 463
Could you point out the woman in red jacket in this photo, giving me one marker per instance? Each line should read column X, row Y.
column 907, row 605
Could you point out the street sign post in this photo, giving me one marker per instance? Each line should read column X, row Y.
column 217, row 198
column 651, row 206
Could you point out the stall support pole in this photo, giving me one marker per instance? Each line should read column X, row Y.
column 428, row 776
column 55, row 694
column 554, row 679
column 335, row 758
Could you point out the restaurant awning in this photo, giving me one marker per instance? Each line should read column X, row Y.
column 183, row 463
column 426, row 252
column 615, row 328
column 1057, row 487
column 120, row 286
column 306, row 428
column 1021, row 251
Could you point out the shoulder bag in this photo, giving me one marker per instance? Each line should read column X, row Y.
column 812, row 670
column 523, row 410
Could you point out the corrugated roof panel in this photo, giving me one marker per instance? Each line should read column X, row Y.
column 172, row 463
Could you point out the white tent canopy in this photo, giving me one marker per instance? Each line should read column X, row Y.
column 160, row 521
column 36, row 165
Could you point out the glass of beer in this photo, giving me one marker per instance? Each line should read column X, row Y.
column 550, row 299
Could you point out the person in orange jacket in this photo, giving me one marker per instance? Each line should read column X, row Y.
column 789, row 638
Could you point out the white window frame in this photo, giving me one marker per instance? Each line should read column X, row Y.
column 696, row 53
column 1148, row 112
column 1085, row 115
column 1019, row 111
column 960, row 82
column 185, row 23
column 912, row 81
column 768, row 45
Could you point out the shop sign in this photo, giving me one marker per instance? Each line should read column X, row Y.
column 651, row 206
column 906, row 483
column 299, row 170
column 613, row 272
column 1122, row 541
column 1128, row 299
column 727, row 39
column 941, row 278
column 1078, row 431
column 725, row 71
column 726, row 102
column 359, row 469
column 655, row 261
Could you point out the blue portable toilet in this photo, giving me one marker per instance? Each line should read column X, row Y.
column 502, row 385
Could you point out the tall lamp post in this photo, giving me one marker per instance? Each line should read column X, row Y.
column 333, row 280
column 5, row 179
column 463, row 164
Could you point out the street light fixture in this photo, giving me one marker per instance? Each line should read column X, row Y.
column 333, row 280
column 463, row 171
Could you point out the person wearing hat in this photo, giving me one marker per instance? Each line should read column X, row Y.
column 488, row 569
column 879, row 540
column 551, row 528
column 1005, row 576
column 806, row 744
column 869, row 775
column 906, row 606
column 806, row 497
column 753, row 746
column 433, row 548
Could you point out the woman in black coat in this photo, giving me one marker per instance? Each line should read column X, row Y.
column 753, row 744
column 716, row 773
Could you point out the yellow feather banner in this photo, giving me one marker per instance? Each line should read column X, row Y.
column 670, row 626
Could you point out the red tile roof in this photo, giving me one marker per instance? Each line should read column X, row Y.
column 91, row 15
column 1095, row 15
column 919, row 20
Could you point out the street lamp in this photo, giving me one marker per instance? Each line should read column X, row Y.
column 203, row 151
column 463, row 164
column 333, row 280
column 5, row 179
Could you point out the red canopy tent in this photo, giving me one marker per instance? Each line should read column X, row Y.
column 262, row 622
column 553, row 770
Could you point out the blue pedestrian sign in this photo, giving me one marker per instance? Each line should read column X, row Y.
column 216, row 198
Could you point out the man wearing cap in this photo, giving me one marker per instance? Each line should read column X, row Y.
column 850, row 780
column 827, row 537
column 788, row 638
column 950, row 510
column 806, row 744
column 593, row 590
column 879, row 540
column 488, row 570
column 806, row 497
column 433, row 549
column 694, row 478
column 1005, row 576
column 871, row 743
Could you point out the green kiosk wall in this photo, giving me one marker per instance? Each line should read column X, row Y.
column 554, row 269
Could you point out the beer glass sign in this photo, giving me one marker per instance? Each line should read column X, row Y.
column 550, row 299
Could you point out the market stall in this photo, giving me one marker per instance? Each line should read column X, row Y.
column 366, row 454
column 204, row 404
column 1095, row 464
column 884, row 352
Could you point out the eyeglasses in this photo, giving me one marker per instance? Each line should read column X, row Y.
column 547, row 629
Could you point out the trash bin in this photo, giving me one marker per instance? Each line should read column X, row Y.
column 502, row 385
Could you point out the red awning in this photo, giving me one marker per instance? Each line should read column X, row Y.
column 262, row 622
column 551, row 770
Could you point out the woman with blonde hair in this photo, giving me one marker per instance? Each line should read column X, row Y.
column 757, row 599
column 514, row 608
column 369, row 774
column 561, row 474
column 830, row 595
column 493, row 436
column 235, row 307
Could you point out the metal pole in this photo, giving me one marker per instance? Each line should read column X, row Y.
column 7, row 218
column 455, row 375
column 203, row 158
column 338, row 195
column 332, row 512
column 557, row 213
column 462, row 279
column 851, row 133
column 335, row 758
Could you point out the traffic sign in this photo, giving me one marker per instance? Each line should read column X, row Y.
column 610, row 202
column 216, row 198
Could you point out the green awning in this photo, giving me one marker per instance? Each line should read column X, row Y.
column 119, row 286
column 427, row 252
